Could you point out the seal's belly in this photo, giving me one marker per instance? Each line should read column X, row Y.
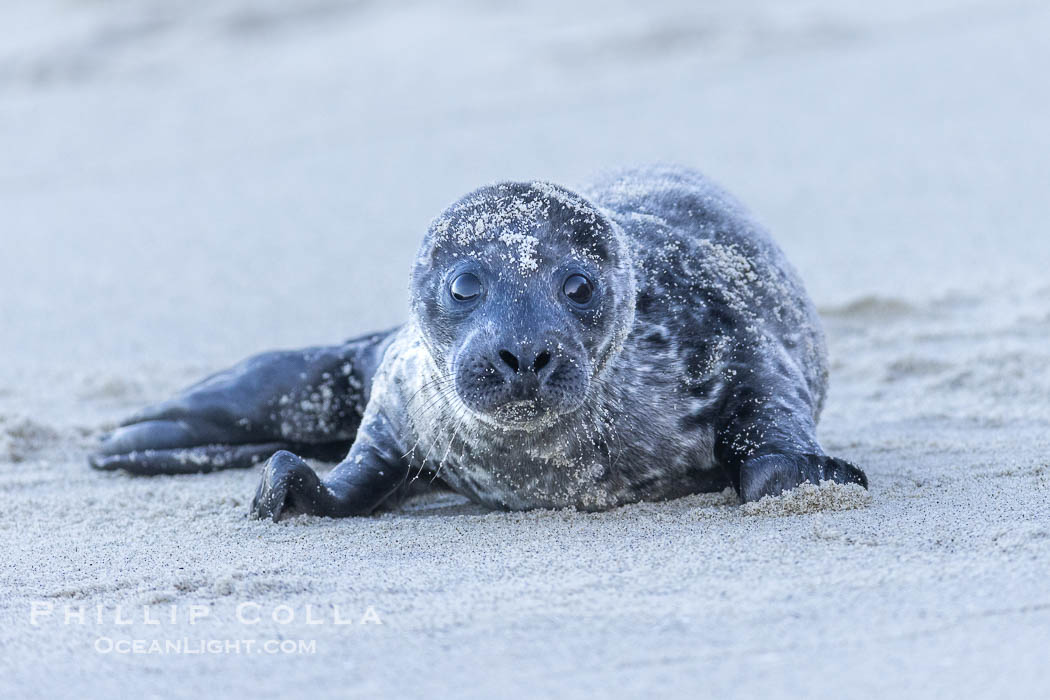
column 520, row 477
column 518, row 484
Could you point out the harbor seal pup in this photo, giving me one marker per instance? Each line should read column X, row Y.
column 643, row 339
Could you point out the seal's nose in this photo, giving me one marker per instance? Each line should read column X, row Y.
column 509, row 359
column 519, row 363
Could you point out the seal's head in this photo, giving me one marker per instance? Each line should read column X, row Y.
column 523, row 292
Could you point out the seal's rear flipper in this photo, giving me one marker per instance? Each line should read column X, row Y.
column 306, row 401
column 208, row 458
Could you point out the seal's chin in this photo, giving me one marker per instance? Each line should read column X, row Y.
column 520, row 416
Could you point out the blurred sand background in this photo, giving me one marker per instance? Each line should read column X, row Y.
column 186, row 183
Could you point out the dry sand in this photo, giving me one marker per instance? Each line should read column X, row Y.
column 183, row 184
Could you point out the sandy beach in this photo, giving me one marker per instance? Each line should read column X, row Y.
column 185, row 184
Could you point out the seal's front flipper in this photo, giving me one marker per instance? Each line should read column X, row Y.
column 369, row 475
column 310, row 401
column 767, row 442
column 772, row 474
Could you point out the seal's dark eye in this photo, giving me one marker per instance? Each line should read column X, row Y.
column 578, row 288
column 465, row 287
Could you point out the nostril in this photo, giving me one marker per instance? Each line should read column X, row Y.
column 541, row 361
column 509, row 359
